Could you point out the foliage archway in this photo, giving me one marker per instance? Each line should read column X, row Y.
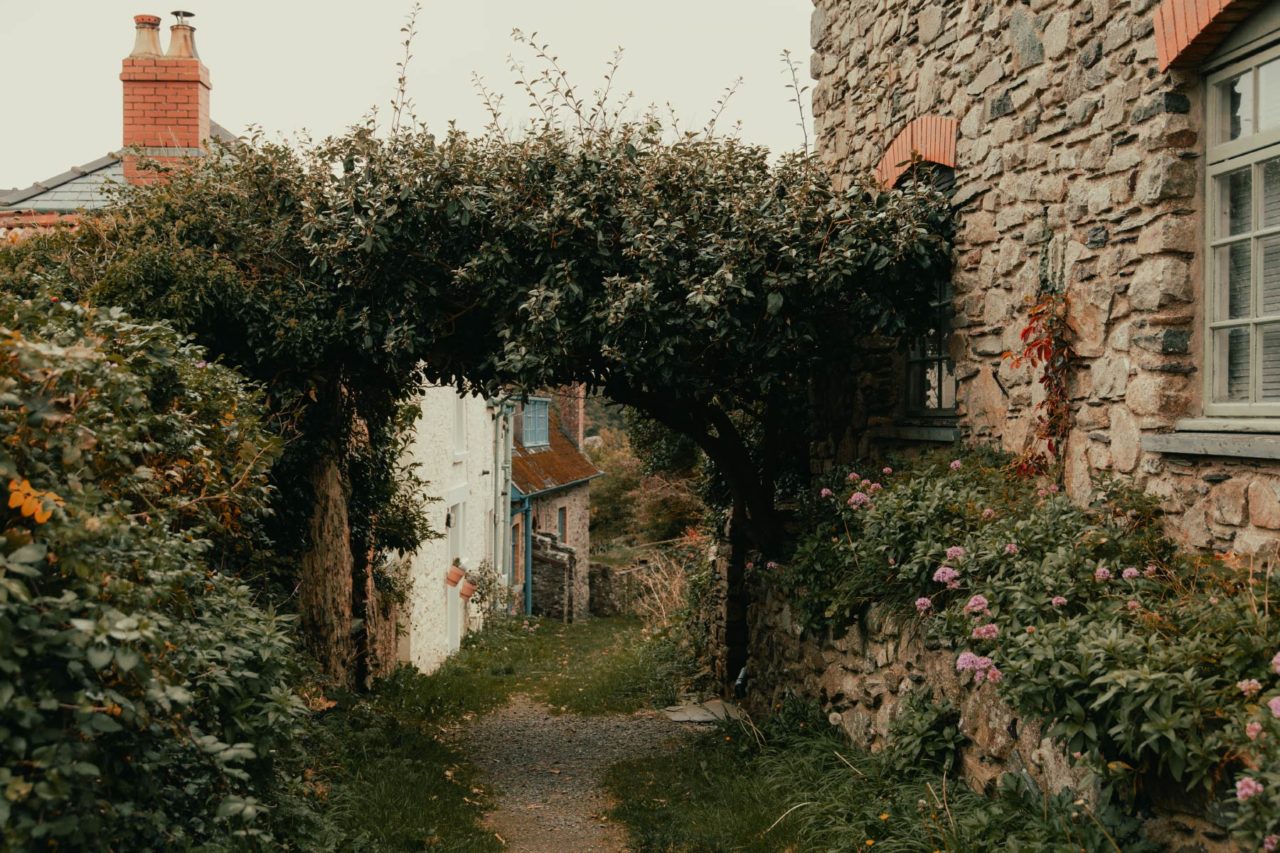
column 694, row 279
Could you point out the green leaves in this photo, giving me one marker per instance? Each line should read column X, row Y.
column 120, row 646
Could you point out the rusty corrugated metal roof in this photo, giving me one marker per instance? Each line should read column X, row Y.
column 558, row 464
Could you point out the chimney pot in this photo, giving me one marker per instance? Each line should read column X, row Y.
column 182, row 38
column 147, row 38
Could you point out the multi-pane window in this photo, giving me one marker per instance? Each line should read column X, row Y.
column 931, row 379
column 535, row 429
column 1243, row 219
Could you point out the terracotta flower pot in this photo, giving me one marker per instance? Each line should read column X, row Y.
column 454, row 575
column 467, row 590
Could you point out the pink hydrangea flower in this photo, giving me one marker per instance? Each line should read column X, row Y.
column 866, row 484
column 988, row 513
column 874, row 487
column 1151, row 570
column 966, row 661
column 1253, row 729
column 1270, row 843
column 1102, row 574
column 1247, row 787
column 994, row 675
column 977, row 605
column 1011, row 548
column 1275, row 664
column 751, row 564
column 1043, row 493
column 955, row 465
column 923, row 604
column 854, row 477
column 1133, row 604
column 1274, row 705
column 771, row 565
column 886, row 470
column 1058, row 600
column 1249, row 687
column 1053, row 488
column 858, row 499
column 945, row 574
column 955, row 552
column 1130, row 573
column 826, row 493
column 986, row 632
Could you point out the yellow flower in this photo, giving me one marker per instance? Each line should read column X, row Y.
column 884, row 815
column 871, row 843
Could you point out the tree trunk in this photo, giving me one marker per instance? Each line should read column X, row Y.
column 324, row 595
column 737, row 599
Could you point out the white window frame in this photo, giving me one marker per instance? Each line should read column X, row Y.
column 531, row 405
column 1220, row 158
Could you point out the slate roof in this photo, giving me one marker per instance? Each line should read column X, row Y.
column 544, row 469
column 80, row 187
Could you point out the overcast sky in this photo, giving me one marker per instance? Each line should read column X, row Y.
column 321, row 64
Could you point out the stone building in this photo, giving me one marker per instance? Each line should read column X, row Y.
column 1125, row 152
column 551, row 504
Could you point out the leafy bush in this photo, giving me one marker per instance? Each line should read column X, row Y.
column 1151, row 664
column 926, row 734
column 145, row 698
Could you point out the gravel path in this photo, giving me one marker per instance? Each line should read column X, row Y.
column 546, row 770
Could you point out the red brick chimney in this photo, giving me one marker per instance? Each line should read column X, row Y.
column 571, row 401
column 166, row 98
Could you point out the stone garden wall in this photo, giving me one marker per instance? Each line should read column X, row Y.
column 1078, row 163
column 863, row 677
column 560, row 580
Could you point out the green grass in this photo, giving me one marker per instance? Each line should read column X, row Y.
column 390, row 781
column 602, row 666
column 806, row 789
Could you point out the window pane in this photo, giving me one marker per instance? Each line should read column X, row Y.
column 1270, row 192
column 1236, row 202
column 1269, row 95
column 915, row 385
column 948, row 385
column 1269, row 253
column 1235, row 281
column 1231, row 348
column 1269, row 340
column 1237, row 106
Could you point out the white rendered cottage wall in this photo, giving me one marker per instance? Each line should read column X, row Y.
column 454, row 447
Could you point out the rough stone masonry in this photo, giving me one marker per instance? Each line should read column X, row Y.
column 1075, row 156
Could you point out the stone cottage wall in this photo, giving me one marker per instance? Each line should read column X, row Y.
column 1077, row 161
column 862, row 678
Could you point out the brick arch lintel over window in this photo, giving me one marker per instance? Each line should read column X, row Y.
column 931, row 138
column 1187, row 31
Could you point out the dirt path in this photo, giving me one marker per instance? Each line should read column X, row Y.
column 547, row 770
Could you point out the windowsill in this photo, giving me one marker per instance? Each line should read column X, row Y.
column 1241, row 438
column 459, row 456
column 1224, row 424
column 943, row 430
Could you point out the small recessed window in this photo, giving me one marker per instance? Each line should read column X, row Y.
column 931, row 377
column 535, row 428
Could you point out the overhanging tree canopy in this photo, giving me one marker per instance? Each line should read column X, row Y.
column 695, row 280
